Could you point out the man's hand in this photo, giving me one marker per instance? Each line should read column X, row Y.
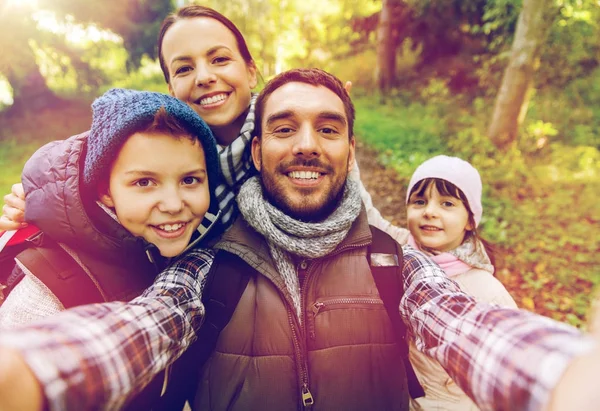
column 19, row 389
column 578, row 387
column 14, row 209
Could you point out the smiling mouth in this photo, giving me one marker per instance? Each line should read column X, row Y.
column 430, row 228
column 207, row 101
column 170, row 231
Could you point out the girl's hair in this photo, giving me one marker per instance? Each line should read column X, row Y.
column 447, row 189
column 193, row 11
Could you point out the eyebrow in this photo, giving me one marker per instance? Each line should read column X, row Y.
column 148, row 173
column 323, row 115
column 211, row 51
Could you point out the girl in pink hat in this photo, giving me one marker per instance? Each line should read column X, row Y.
column 443, row 203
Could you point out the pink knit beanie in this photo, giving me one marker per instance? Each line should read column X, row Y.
column 458, row 172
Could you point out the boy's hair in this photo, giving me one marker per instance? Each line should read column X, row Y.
column 447, row 189
column 163, row 123
column 312, row 76
column 193, row 11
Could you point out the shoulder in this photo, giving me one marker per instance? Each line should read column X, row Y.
column 30, row 300
column 484, row 287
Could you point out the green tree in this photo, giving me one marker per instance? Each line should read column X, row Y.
column 533, row 26
column 136, row 21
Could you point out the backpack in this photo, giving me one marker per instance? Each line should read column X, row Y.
column 225, row 284
column 61, row 273
column 49, row 262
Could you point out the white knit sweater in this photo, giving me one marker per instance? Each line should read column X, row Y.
column 30, row 300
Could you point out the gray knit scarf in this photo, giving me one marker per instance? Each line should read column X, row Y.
column 287, row 236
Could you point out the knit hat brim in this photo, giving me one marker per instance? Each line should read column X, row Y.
column 456, row 171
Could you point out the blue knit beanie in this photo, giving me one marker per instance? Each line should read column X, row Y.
column 119, row 113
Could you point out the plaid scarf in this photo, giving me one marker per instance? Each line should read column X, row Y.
column 287, row 236
column 237, row 167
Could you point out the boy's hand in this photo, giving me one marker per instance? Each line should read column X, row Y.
column 14, row 209
column 578, row 387
column 19, row 389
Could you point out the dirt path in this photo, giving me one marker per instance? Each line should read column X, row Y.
column 385, row 186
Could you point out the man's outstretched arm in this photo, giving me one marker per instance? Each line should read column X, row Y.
column 504, row 359
column 98, row 356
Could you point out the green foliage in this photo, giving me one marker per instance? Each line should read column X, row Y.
column 540, row 200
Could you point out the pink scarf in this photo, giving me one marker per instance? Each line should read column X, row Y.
column 449, row 263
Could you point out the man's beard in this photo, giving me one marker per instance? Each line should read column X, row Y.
column 306, row 210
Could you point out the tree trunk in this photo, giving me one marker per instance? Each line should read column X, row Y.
column 385, row 69
column 511, row 104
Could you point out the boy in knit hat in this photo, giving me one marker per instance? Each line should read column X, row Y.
column 121, row 201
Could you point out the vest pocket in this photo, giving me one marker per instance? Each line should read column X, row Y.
column 341, row 303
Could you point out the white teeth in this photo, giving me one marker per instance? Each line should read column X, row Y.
column 304, row 175
column 171, row 227
column 213, row 99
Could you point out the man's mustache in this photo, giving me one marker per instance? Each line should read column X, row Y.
column 312, row 162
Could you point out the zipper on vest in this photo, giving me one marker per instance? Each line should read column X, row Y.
column 305, row 394
column 165, row 380
column 332, row 303
column 307, row 398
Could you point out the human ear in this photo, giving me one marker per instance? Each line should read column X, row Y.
column 256, row 153
column 351, row 155
column 105, row 197
column 252, row 75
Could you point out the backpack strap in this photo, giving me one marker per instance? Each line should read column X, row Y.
column 385, row 259
column 225, row 283
column 59, row 271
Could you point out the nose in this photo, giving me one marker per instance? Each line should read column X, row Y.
column 205, row 75
column 430, row 209
column 307, row 143
column 171, row 201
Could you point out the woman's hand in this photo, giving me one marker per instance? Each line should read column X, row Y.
column 14, row 209
column 19, row 389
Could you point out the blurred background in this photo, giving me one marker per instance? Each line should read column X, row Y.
column 511, row 85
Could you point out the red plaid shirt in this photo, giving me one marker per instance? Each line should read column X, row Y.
column 98, row 356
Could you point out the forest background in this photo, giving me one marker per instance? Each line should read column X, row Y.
column 512, row 86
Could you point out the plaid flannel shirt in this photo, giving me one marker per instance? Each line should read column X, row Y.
column 98, row 356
